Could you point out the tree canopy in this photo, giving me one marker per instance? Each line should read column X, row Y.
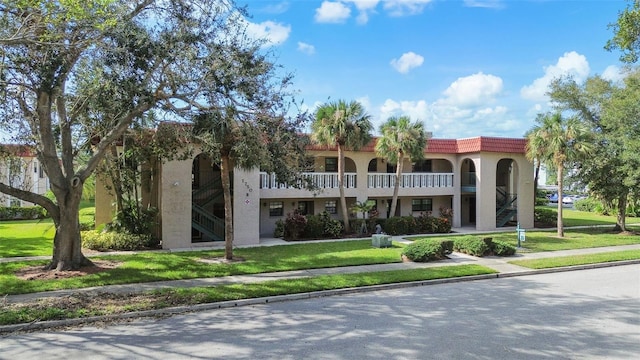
column 75, row 75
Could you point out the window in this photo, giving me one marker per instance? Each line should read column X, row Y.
column 373, row 166
column 276, row 208
column 331, row 164
column 15, row 203
column 35, row 167
column 330, row 207
column 422, row 166
column 41, row 175
column 421, row 204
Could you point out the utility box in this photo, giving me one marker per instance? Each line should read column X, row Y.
column 381, row 240
column 521, row 234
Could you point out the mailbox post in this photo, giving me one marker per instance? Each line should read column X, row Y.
column 521, row 234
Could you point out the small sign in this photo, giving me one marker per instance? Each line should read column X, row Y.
column 247, row 201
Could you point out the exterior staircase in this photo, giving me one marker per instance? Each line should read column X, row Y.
column 506, row 208
column 209, row 226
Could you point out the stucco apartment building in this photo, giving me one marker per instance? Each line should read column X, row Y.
column 21, row 169
column 487, row 181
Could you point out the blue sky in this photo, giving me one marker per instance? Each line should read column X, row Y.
column 464, row 68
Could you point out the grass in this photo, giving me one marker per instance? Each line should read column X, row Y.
column 571, row 217
column 105, row 304
column 578, row 259
column 26, row 237
column 539, row 241
column 159, row 266
column 35, row 237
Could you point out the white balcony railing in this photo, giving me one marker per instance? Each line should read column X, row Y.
column 320, row 180
column 414, row 180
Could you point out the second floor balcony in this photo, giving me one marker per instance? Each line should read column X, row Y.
column 374, row 180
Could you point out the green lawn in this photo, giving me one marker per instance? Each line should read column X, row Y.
column 158, row 266
column 34, row 237
column 106, row 304
column 578, row 259
column 537, row 241
column 26, row 237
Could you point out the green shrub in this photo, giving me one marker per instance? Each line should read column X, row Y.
column 333, row 228
column 442, row 225
column 22, row 213
column 425, row 250
column 278, row 232
column 501, row 248
column 314, row 228
column 541, row 201
column 447, row 245
column 395, row 226
column 471, row 245
column 587, row 204
column 545, row 216
column 294, row 226
column 111, row 240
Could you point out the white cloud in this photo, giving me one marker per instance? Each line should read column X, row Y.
column 407, row 61
column 613, row 73
column 332, row 12
column 277, row 8
column 493, row 4
column 416, row 110
column 405, row 7
column 306, row 48
column 571, row 64
column 473, row 90
column 364, row 8
column 274, row 33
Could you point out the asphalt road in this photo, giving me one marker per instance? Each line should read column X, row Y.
column 589, row 314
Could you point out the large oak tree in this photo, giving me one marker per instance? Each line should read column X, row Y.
column 63, row 62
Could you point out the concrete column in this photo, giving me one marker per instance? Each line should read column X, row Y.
column 176, row 204
column 246, row 207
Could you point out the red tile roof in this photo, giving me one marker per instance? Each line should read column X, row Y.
column 457, row 146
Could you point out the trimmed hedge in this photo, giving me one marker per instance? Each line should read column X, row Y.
column 22, row 213
column 426, row 250
column 471, row 245
column 111, row 240
column 482, row 246
column 423, row 224
column 501, row 248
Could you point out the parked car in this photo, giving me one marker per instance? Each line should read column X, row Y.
column 567, row 200
column 553, row 198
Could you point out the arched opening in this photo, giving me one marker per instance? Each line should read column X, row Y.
column 506, row 193
column 207, row 206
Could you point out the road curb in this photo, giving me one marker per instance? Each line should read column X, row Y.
column 6, row 330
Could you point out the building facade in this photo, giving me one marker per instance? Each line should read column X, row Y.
column 486, row 181
column 21, row 169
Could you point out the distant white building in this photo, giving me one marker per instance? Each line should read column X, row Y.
column 21, row 169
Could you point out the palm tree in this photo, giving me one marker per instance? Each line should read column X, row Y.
column 535, row 151
column 346, row 126
column 401, row 138
column 559, row 142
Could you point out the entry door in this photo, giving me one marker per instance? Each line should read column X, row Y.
column 472, row 210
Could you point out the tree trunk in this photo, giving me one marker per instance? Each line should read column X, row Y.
column 622, row 214
column 343, row 199
column 67, row 243
column 396, row 186
column 225, row 175
column 560, row 225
